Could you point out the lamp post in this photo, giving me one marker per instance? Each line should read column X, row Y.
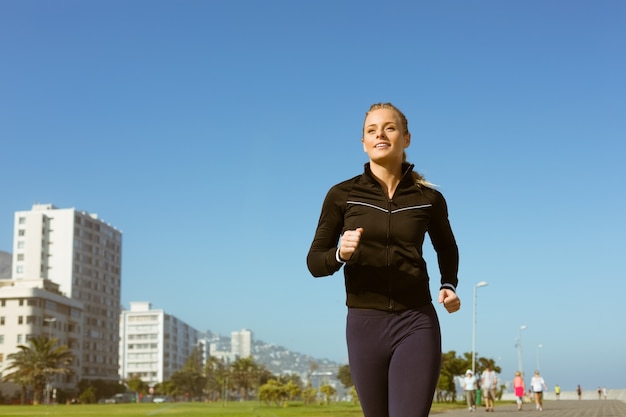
column 539, row 347
column 480, row 284
column 519, row 349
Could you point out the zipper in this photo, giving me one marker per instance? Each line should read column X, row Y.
column 390, row 304
column 388, row 246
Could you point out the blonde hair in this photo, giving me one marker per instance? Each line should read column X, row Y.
column 418, row 178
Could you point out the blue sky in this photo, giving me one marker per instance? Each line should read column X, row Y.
column 210, row 131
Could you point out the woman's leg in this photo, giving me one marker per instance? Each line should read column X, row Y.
column 368, row 354
column 415, row 364
column 395, row 360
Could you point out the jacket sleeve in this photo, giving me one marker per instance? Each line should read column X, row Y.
column 321, row 259
column 444, row 243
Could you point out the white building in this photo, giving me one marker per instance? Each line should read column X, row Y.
column 30, row 308
column 153, row 344
column 241, row 343
column 83, row 255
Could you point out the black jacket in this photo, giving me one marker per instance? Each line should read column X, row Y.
column 387, row 270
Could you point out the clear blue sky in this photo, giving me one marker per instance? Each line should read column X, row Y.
column 210, row 131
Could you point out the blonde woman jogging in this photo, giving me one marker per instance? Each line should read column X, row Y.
column 374, row 225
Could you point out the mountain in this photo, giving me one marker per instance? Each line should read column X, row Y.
column 280, row 360
column 277, row 359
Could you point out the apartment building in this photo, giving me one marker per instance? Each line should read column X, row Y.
column 31, row 308
column 241, row 343
column 83, row 255
column 153, row 344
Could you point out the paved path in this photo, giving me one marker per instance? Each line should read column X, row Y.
column 560, row 408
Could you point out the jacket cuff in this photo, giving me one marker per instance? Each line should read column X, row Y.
column 338, row 257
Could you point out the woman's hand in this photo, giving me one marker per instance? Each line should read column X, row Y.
column 349, row 242
column 450, row 300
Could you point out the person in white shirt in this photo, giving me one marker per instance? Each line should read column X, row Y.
column 489, row 385
column 537, row 384
column 469, row 386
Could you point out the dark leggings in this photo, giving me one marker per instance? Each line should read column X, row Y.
column 395, row 360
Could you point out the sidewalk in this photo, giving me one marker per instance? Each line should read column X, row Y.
column 554, row 408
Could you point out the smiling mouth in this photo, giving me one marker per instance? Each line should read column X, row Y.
column 381, row 145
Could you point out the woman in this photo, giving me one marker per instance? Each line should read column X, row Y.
column 469, row 386
column 520, row 389
column 538, row 385
column 374, row 225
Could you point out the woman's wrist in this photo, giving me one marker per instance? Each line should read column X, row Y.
column 338, row 257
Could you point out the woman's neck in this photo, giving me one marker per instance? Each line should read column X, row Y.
column 388, row 176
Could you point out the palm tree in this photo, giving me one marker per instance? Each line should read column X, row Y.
column 33, row 365
column 245, row 372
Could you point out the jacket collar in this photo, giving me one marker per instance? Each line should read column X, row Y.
column 407, row 168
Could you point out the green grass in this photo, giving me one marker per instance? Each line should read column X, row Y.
column 232, row 409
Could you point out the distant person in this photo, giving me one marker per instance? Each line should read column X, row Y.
column 557, row 391
column 374, row 225
column 489, row 384
column 479, row 393
column 599, row 393
column 604, row 392
column 579, row 392
column 520, row 389
column 469, row 387
column 537, row 384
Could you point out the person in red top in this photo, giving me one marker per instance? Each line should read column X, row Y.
column 520, row 389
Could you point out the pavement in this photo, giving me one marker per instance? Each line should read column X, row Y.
column 554, row 408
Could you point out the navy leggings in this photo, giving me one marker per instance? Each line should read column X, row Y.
column 395, row 360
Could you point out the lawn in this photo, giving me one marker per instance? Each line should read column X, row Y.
column 234, row 409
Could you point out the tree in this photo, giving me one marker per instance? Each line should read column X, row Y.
column 354, row 395
column 451, row 366
column 344, row 375
column 273, row 392
column 308, row 394
column 190, row 381
column 136, row 384
column 100, row 388
column 329, row 392
column 33, row 365
column 245, row 374
column 216, row 376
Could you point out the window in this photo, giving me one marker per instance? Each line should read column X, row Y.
column 21, row 232
column 19, row 338
column 20, row 244
column 1, row 339
column 22, row 220
column 2, row 321
column 20, row 256
column 20, row 319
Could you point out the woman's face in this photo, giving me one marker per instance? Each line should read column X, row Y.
column 384, row 139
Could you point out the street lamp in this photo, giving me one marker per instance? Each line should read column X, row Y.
column 480, row 284
column 519, row 349
column 538, row 350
